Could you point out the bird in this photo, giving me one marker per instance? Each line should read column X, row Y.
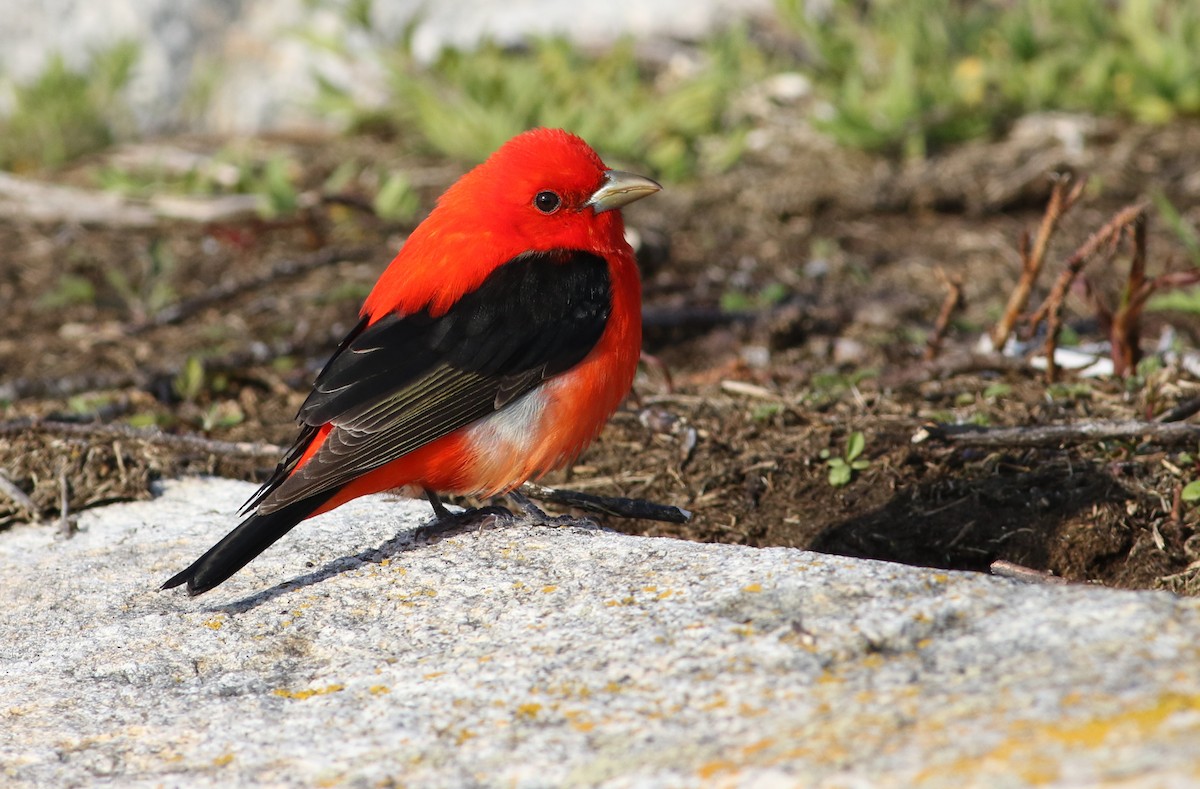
column 491, row 350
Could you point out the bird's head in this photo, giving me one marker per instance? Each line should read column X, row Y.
column 541, row 191
column 547, row 189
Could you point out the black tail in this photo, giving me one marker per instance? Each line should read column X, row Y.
column 252, row 536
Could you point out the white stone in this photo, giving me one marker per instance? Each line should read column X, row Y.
column 349, row 654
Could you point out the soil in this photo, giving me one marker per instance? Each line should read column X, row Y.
column 787, row 305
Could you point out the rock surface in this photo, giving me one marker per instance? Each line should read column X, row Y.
column 350, row 654
column 232, row 66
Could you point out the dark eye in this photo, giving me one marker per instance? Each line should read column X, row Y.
column 547, row 202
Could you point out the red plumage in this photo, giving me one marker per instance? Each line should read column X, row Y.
column 492, row 349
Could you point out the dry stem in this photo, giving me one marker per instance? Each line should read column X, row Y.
column 953, row 300
column 1033, row 259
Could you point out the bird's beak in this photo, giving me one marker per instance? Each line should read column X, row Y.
column 620, row 189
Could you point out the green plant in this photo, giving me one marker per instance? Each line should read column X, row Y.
column 396, row 201
column 768, row 296
column 911, row 76
column 466, row 103
column 828, row 386
column 65, row 113
column 222, row 415
column 148, row 290
column 996, row 391
column 276, row 183
column 841, row 469
column 189, row 383
column 70, row 290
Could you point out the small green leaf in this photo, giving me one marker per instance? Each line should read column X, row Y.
column 997, row 390
column 278, row 188
column 1191, row 491
column 855, row 445
column 190, row 382
column 396, row 201
column 839, row 473
column 765, row 411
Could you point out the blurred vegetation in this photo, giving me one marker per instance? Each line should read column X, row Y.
column 903, row 77
column 909, row 75
column 466, row 104
column 63, row 113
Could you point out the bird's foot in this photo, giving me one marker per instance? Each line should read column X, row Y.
column 483, row 517
column 446, row 521
column 532, row 513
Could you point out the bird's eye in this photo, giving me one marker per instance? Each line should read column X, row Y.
column 547, row 202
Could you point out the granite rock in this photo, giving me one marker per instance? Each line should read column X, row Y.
column 353, row 654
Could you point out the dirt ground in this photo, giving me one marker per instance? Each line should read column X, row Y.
column 788, row 300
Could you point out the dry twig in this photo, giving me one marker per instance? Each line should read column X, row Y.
column 9, row 488
column 1019, row 572
column 1158, row 433
column 952, row 302
column 1032, row 260
column 282, row 269
column 110, row 432
column 1051, row 308
column 954, row 363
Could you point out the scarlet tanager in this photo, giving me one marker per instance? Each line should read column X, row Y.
column 493, row 348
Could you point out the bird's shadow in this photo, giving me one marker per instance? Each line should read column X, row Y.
column 404, row 541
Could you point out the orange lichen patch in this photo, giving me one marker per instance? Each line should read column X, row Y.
column 1025, row 751
column 463, row 735
column 216, row 623
column 308, row 693
column 665, row 593
column 548, row 588
column 378, row 690
column 529, row 711
column 434, row 674
column 757, row 747
column 223, row 760
column 578, row 720
column 1138, row 723
column 752, row 588
column 711, row 769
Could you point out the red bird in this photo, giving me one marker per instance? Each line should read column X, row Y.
column 492, row 350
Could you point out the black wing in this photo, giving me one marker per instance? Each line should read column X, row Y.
column 405, row 381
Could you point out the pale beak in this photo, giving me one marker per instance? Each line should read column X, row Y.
column 620, row 189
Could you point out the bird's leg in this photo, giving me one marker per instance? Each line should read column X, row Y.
column 439, row 509
column 444, row 520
